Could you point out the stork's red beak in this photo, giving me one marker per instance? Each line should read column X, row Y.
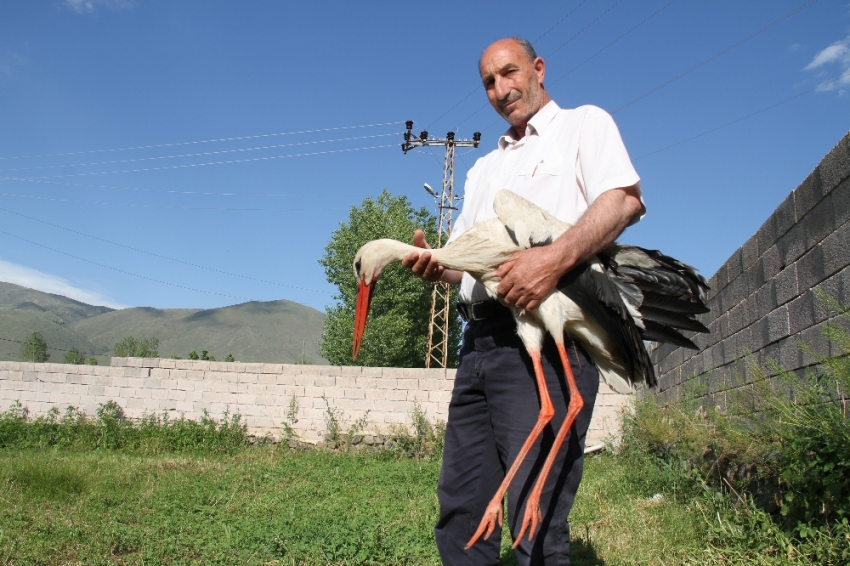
column 361, row 311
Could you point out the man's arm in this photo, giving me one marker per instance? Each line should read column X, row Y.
column 533, row 273
column 426, row 267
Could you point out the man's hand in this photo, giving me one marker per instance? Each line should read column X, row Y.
column 422, row 264
column 529, row 277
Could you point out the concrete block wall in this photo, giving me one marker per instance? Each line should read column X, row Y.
column 762, row 299
column 261, row 393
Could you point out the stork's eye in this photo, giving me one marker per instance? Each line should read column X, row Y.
column 357, row 267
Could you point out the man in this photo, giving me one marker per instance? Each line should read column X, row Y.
column 573, row 164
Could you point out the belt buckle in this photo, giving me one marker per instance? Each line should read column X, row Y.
column 463, row 310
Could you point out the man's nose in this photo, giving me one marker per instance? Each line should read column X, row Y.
column 501, row 88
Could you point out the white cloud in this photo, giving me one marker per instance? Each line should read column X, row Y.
column 34, row 279
column 837, row 53
column 89, row 6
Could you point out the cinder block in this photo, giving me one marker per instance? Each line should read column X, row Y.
column 325, row 381
column 272, row 368
column 811, row 269
column 371, row 372
column 396, row 394
column 366, row 383
column 841, row 202
column 836, row 250
column 785, row 215
column 375, row 394
column 766, row 235
column 351, row 371
column 197, row 375
column 819, row 222
column 721, row 278
column 346, row 381
column 785, row 284
column 442, row 398
column 766, row 299
column 777, row 324
column 750, row 252
column 354, row 394
column 835, row 166
column 793, row 244
column 734, row 265
column 809, row 193
column 165, row 363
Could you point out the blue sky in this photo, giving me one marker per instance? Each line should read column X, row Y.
column 81, row 81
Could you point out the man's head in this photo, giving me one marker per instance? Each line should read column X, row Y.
column 513, row 74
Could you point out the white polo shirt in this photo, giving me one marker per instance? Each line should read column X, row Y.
column 565, row 161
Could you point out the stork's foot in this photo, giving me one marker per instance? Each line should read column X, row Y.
column 531, row 519
column 492, row 517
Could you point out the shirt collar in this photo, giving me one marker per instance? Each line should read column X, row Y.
column 535, row 126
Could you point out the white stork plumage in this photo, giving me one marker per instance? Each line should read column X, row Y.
column 610, row 304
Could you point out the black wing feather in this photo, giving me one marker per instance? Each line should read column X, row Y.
column 597, row 296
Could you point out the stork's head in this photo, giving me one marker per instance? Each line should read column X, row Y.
column 369, row 261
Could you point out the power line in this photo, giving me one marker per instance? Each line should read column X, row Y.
column 159, row 255
column 750, row 115
column 166, row 191
column 175, row 144
column 48, row 347
column 229, row 161
column 185, row 155
column 162, row 207
column 561, row 20
column 716, row 55
column 585, row 28
column 125, row 272
column 633, row 28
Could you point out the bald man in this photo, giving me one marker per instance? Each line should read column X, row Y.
column 572, row 163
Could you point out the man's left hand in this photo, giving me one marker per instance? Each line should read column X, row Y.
column 529, row 277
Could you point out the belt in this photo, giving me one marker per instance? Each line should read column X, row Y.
column 483, row 310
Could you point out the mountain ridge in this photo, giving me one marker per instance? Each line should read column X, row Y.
column 278, row 331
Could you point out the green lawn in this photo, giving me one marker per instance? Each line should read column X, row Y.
column 268, row 506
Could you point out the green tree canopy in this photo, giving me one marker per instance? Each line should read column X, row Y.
column 34, row 349
column 397, row 331
column 74, row 356
column 132, row 347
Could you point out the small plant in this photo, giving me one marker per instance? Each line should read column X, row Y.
column 229, row 358
column 92, row 361
column 289, row 432
column 332, row 423
column 74, row 356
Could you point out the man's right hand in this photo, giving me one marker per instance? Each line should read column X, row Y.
column 423, row 264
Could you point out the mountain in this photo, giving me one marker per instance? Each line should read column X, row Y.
column 24, row 311
column 271, row 332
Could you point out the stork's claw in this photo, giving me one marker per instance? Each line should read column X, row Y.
column 492, row 517
column 530, row 520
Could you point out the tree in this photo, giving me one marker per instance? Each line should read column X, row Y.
column 34, row 349
column 397, row 332
column 132, row 347
column 74, row 356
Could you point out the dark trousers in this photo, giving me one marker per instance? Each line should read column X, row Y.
column 493, row 408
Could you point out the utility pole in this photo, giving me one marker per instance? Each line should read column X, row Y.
column 438, row 327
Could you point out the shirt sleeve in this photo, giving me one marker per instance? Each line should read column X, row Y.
column 603, row 161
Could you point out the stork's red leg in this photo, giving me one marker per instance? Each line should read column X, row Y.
column 532, row 516
column 493, row 513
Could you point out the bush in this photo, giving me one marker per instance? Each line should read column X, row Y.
column 132, row 347
column 776, row 467
column 112, row 430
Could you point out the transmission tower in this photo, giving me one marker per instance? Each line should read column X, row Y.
column 438, row 327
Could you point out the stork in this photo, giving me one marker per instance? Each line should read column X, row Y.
column 610, row 304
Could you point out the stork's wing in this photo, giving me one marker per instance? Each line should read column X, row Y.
column 673, row 292
column 599, row 298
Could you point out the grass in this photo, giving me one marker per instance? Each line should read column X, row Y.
column 273, row 506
